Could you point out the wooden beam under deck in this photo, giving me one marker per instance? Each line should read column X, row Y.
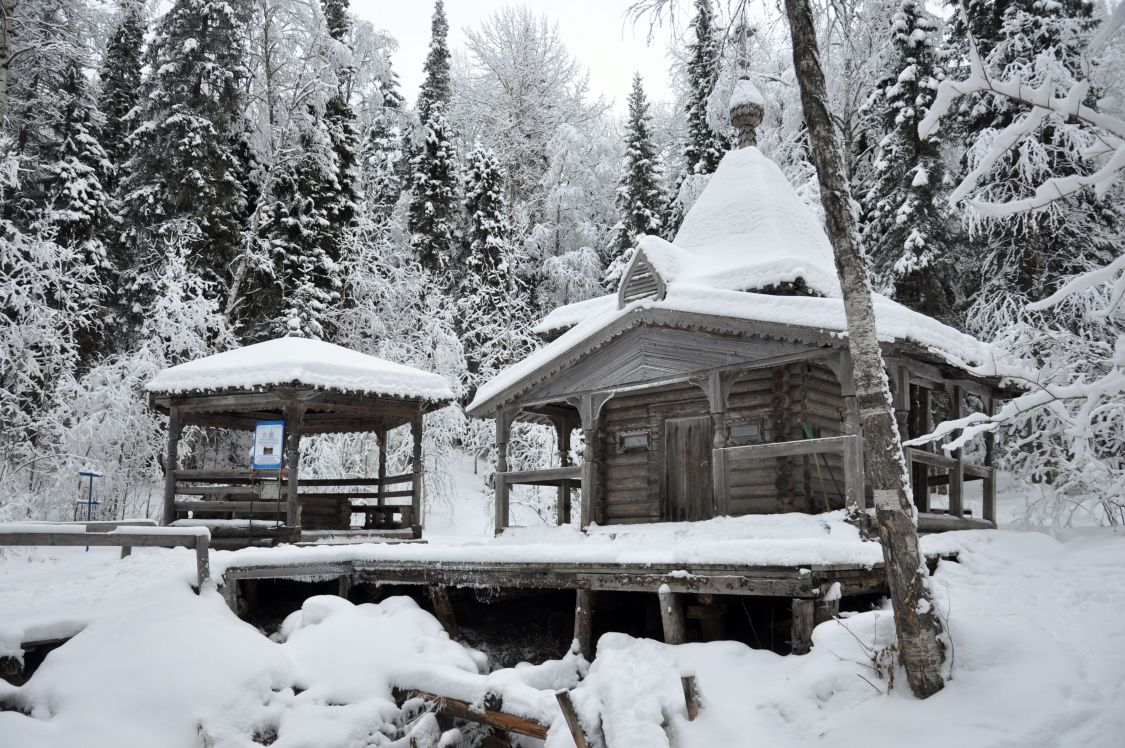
column 767, row 581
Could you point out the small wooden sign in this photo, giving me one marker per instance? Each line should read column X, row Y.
column 269, row 445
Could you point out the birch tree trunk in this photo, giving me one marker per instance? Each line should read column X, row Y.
column 915, row 618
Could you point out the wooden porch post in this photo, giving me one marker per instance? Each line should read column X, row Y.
column 374, row 520
column 562, row 430
column 717, row 387
column 920, row 472
column 957, row 473
column 171, row 465
column 988, row 490
column 671, row 616
column 416, row 483
column 503, row 433
column 800, row 633
column 294, row 413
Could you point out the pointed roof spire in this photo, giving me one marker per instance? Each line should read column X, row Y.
column 747, row 105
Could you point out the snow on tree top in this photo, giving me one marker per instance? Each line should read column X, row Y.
column 304, row 361
column 749, row 230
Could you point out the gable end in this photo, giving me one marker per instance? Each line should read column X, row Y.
column 640, row 281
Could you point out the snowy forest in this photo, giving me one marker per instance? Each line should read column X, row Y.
column 182, row 178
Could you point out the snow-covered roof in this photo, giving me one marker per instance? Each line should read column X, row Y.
column 747, row 232
column 893, row 323
column 750, row 230
column 301, row 361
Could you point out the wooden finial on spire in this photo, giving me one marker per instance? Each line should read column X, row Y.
column 747, row 106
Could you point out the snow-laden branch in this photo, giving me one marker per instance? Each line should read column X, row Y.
column 1044, row 101
column 1112, row 275
column 1089, row 396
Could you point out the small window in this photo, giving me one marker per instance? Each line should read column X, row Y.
column 746, row 431
column 632, row 440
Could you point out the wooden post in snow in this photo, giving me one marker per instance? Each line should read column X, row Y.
column 915, row 618
column 171, row 465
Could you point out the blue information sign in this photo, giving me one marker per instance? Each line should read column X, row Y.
column 269, row 444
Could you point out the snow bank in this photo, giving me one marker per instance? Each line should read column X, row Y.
column 313, row 363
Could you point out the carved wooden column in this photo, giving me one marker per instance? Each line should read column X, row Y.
column 988, row 490
column 717, row 386
column 294, row 413
column 503, row 434
column 171, row 465
column 416, row 482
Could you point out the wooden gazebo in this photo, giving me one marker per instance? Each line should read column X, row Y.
column 312, row 387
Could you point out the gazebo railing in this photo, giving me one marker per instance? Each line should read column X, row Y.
column 326, row 503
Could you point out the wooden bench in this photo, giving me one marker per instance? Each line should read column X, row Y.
column 125, row 535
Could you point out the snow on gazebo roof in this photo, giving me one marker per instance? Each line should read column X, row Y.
column 304, row 362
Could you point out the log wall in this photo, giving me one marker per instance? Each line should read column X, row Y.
column 777, row 401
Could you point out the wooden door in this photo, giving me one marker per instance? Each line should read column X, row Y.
column 687, row 469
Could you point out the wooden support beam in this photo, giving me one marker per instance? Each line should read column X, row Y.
column 171, row 464
column 800, row 636
column 443, row 610
column 417, row 470
column 827, row 606
column 381, row 441
column 230, row 593
column 294, row 410
column 989, row 487
column 589, row 409
column 344, row 585
column 584, row 622
column 671, row 616
column 562, row 501
column 566, row 706
column 957, row 472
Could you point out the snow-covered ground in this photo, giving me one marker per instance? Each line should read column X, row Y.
column 1036, row 620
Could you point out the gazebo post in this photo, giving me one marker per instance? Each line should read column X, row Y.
column 381, row 439
column 416, row 484
column 171, row 465
column 294, row 411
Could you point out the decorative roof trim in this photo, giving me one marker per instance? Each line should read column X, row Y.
column 640, row 281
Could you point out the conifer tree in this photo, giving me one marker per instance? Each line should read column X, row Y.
column 433, row 210
column 435, row 89
column 183, row 167
column 905, row 227
column 121, row 83
column 341, row 197
column 639, row 196
column 704, row 147
column 298, row 225
column 488, row 296
column 77, row 207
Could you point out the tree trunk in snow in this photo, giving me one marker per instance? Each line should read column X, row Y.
column 915, row 619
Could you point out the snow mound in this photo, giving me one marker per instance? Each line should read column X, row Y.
column 302, row 361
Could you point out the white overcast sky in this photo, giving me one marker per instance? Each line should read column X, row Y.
column 595, row 31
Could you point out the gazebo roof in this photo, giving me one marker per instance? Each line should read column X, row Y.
column 337, row 390
column 300, row 362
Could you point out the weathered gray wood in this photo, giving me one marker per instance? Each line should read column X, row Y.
column 584, row 622
column 504, row 417
column 671, row 615
column 189, row 490
column 687, row 463
column 381, row 440
column 543, row 476
column 241, row 507
column 570, row 715
column 230, row 593
column 443, row 610
column 827, row 444
column 171, row 463
column 590, row 409
column 989, row 487
column 294, row 410
column 854, row 481
column 692, row 701
column 489, row 715
column 800, row 637
column 202, row 559
column 417, row 468
column 935, row 522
